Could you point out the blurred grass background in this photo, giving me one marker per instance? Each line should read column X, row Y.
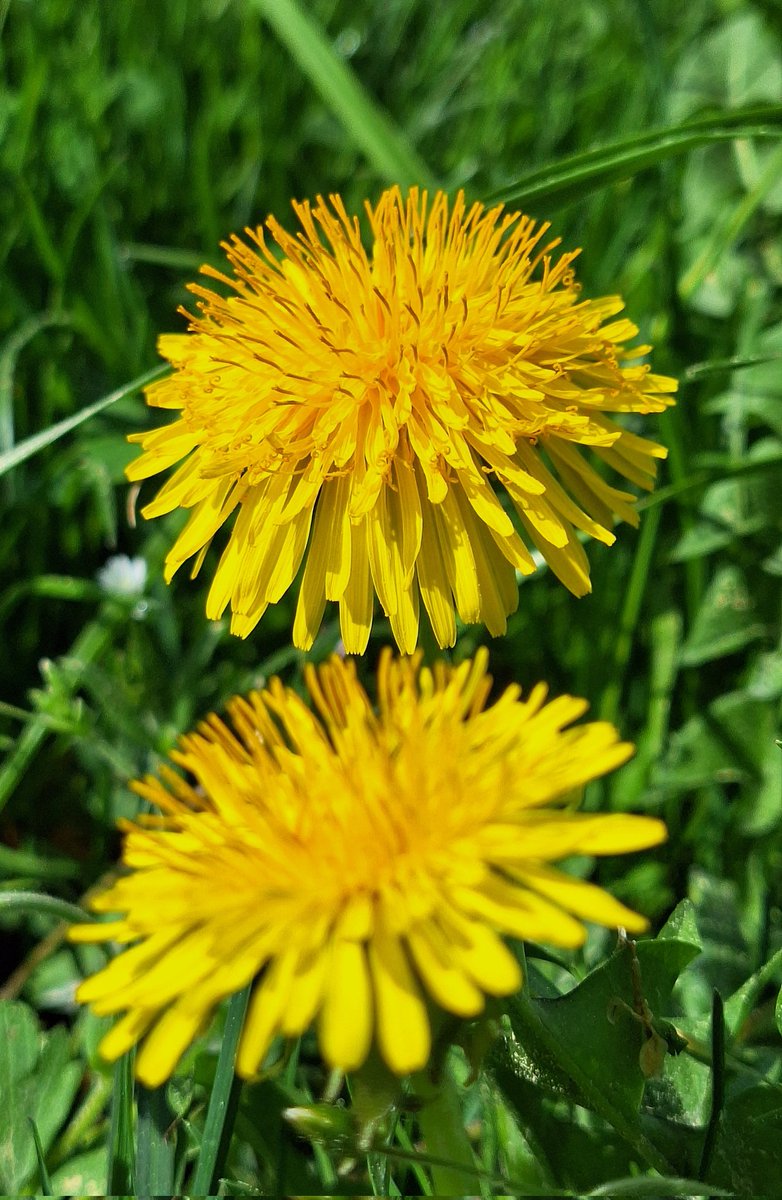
column 133, row 137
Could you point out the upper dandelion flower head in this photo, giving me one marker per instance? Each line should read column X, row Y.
column 407, row 419
column 364, row 865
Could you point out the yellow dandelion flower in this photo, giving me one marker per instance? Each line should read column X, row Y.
column 362, row 866
column 379, row 413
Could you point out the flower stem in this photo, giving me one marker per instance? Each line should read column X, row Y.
column 442, row 1126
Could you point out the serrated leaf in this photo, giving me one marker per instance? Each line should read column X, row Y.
column 569, row 1046
column 682, row 926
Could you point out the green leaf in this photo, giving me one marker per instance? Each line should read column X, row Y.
column 38, row 1082
column 569, row 1047
column 682, row 926
column 121, row 1148
column 43, row 1174
column 732, row 742
column 573, row 177
column 82, row 1175
column 223, row 1100
column 39, row 441
column 155, row 1143
column 729, row 511
column 19, row 1045
column 739, row 1006
column 725, row 622
column 656, row 1187
column 746, row 1154
column 366, row 123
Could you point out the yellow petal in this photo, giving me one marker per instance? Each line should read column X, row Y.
column 584, row 899
column 448, row 986
column 402, row 1024
column 345, row 1024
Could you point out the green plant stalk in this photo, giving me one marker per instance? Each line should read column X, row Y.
column 442, row 1127
column 37, row 902
column 222, row 1102
column 384, row 145
column 40, row 866
column 628, row 619
column 90, row 643
column 717, row 1082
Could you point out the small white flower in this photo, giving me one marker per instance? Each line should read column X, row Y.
column 123, row 576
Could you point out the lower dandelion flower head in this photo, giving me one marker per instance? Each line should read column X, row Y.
column 407, row 420
column 363, row 865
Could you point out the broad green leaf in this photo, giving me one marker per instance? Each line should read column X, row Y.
column 82, row 1175
column 726, row 621
column 38, row 1082
column 574, row 1156
column 731, row 509
column 732, row 742
column 57, row 1080
column 571, row 178
column 366, row 123
column 746, row 1155
column 569, row 1046
column 19, row 1048
column 682, row 926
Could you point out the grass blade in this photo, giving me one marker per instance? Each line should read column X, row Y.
column 573, row 177
column 121, row 1156
column 46, row 1183
column 223, row 1101
column 39, row 441
column 155, row 1144
column 368, row 125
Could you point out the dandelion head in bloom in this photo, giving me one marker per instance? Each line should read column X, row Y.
column 407, row 418
column 363, row 865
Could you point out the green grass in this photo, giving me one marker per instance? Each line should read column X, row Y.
column 133, row 137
